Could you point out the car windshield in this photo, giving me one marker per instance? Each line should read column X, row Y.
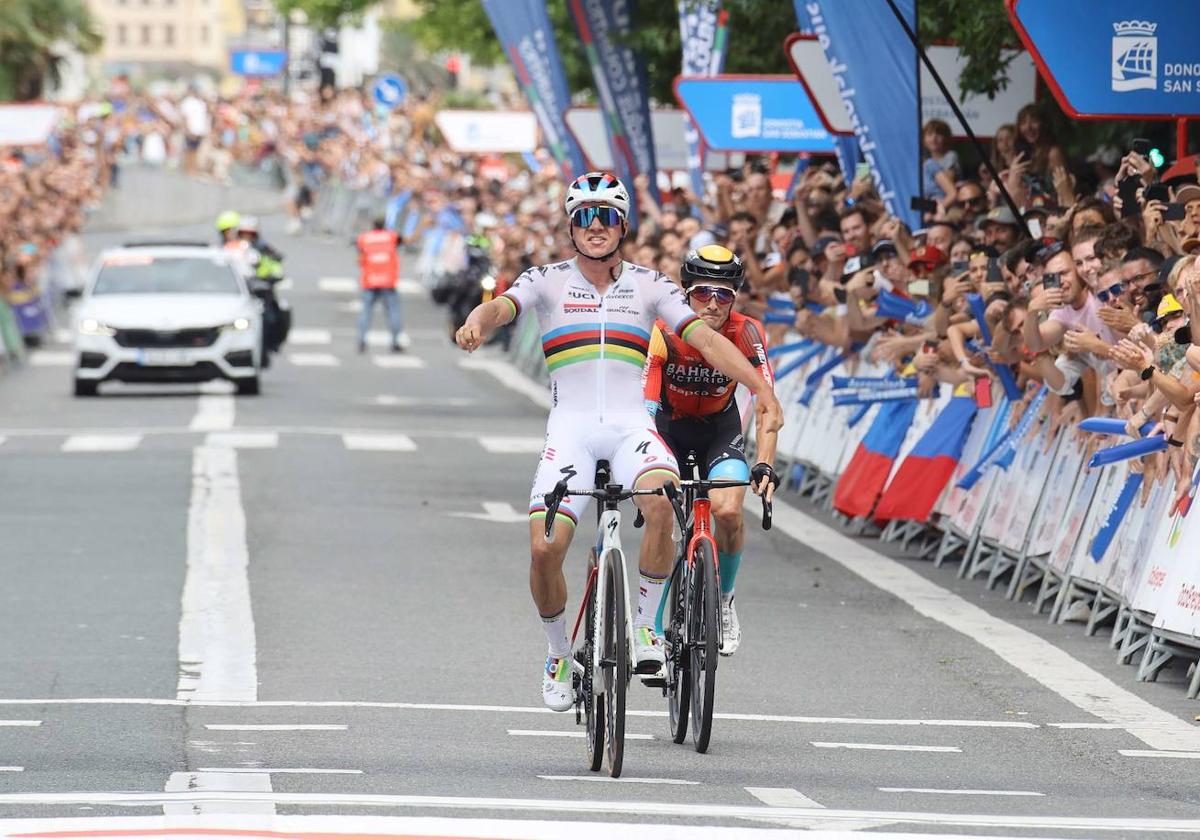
column 145, row 275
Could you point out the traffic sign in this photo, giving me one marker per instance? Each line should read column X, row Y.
column 389, row 90
column 1105, row 59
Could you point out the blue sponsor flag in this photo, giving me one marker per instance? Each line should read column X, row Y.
column 621, row 84
column 865, row 45
column 524, row 29
column 847, row 147
column 698, row 35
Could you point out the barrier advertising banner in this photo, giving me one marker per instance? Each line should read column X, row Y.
column 864, row 43
column 621, row 84
column 670, row 140
column 1114, row 59
column 753, row 114
column 524, row 29
column 698, row 23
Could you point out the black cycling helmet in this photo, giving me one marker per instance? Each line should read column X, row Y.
column 712, row 263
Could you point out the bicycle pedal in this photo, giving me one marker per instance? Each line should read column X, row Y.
column 655, row 680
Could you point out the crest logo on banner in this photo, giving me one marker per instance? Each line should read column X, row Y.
column 1134, row 56
column 745, row 115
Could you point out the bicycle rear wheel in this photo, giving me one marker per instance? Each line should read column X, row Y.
column 679, row 688
column 615, row 661
column 704, row 633
column 593, row 702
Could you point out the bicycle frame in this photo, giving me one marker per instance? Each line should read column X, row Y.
column 608, row 539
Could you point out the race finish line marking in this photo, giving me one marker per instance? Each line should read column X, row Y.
column 556, row 733
column 276, row 727
column 830, row 745
column 292, row 770
column 621, row 780
column 1120, row 826
column 952, row 792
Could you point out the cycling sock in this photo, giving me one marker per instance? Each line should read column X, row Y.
column 555, row 627
column 650, row 592
column 729, row 564
column 658, row 616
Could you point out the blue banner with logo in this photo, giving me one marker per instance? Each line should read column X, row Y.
column 621, row 83
column 528, row 38
column 257, row 62
column 875, row 66
column 753, row 114
column 698, row 35
column 1122, row 59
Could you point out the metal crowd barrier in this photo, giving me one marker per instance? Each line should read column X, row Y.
column 1091, row 545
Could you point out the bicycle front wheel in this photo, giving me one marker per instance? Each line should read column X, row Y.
column 704, row 634
column 615, row 661
column 592, row 700
column 679, row 689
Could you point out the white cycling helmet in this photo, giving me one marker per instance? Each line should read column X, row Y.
column 598, row 188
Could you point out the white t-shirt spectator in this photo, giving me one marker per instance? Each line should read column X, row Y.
column 195, row 116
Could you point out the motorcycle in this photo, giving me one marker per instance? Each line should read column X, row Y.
column 463, row 291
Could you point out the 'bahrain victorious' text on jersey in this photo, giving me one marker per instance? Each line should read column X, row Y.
column 679, row 379
column 596, row 345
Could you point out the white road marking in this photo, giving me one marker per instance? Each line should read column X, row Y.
column 2, row 439
column 952, row 792
column 314, row 360
column 51, row 358
column 510, row 378
column 782, row 797
column 512, row 445
column 410, row 288
column 276, row 727
column 338, row 285
column 380, row 443
column 1160, row 754
column 502, row 512
column 101, row 443
column 398, row 361
column 214, row 413
column 309, row 336
column 394, row 401
column 661, row 811
column 350, row 306
column 20, row 723
column 242, row 440
column 1085, row 726
column 1038, row 659
column 833, row 745
column 556, row 733
column 217, row 649
column 12, row 769
column 622, row 780
column 192, row 783
column 293, row 770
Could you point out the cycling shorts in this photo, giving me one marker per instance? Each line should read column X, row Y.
column 714, row 438
column 575, row 441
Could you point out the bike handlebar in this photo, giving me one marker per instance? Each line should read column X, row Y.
column 620, row 494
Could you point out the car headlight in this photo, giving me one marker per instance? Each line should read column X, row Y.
column 488, row 283
column 90, row 326
column 239, row 325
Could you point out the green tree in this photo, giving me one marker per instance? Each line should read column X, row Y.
column 324, row 13
column 35, row 36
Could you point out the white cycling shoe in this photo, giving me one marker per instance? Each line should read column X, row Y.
column 558, row 687
column 648, row 651
column 731, row 630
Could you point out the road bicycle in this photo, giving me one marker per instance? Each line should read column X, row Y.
column 693, row 634
column 606, row 657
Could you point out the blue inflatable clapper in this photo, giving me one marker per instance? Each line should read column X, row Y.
column 1112, row 522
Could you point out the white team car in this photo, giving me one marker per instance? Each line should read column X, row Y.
column 167, row 313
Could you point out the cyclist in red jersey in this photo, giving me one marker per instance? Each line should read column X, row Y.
column 695, row 408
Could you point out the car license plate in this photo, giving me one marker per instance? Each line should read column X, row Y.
column 163, row 358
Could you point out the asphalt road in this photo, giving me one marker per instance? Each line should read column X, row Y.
column 328, row 544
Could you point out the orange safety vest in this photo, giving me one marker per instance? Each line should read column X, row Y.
column 378, row 262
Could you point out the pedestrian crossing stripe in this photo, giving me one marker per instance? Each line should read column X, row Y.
column 314, row 360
